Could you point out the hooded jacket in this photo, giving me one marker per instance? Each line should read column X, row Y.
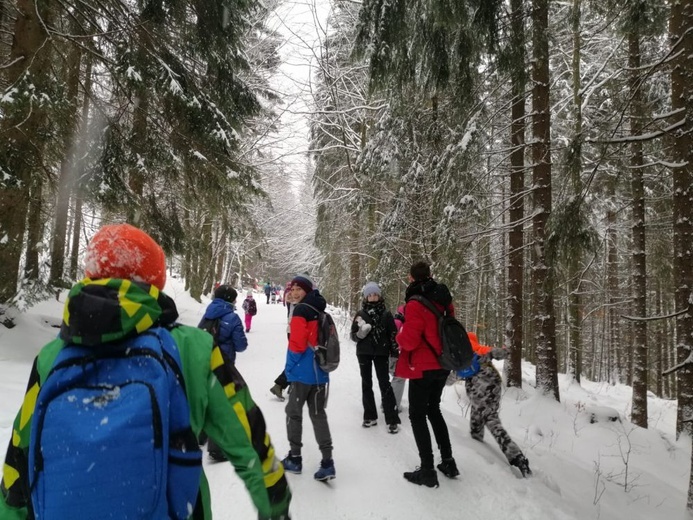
column 301, row 365
column 385, row 345
column 231, row 337
column 111, row 310
column 419, row 336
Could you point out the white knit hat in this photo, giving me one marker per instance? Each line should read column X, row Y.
column 371, row 288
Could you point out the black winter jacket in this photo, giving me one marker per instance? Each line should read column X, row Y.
column 386, row 345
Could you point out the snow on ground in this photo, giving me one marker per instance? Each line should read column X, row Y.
column 582, row 470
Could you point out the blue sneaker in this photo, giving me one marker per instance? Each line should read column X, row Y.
column 326, row 471
column 293, row 464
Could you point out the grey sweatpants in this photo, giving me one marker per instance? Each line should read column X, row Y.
column 316, row 398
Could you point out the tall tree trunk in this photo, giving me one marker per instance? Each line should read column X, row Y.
column 80, row 166
column 516, row 254
column 613, row 338
column 76, row 230
column 542, row 274
column 574, row 273
column 34, row 229
column 67, row 168
column 355, row 282
column 681, row 35
column 639, row 345
column 22, row 133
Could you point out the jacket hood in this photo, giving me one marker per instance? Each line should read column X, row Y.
column 315, row 299
column 218, row 308
column 430, row 289
column 108, row 310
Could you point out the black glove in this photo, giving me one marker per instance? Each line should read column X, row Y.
column 399, row 316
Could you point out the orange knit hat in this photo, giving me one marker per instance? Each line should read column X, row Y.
column 124, row 251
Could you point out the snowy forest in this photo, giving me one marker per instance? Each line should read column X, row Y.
column 537, row 153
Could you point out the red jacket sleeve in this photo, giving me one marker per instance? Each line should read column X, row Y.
column 298, row 335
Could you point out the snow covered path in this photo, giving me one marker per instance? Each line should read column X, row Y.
column 578, row 466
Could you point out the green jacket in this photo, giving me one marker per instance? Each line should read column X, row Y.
column 110, row 310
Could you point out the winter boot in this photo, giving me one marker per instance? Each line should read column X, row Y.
column 277, row 391
column 393, row 428
column 521, row 463
column 326, row 471
column 448, row 468
column 369, row 422
column 423, row 477
column 293, row 464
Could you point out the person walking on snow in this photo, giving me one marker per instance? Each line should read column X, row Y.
column 309, row 382
column 483, row 384
column 268, row 291
column 250, row 309
column 420, row 345
column 229, row 331
column 373, row 329
column 121, row 299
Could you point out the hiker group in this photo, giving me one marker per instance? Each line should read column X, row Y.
column 118, row 405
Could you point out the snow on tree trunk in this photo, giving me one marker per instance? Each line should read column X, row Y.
column 542, row 275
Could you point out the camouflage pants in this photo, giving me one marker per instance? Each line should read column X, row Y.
column 484, row 393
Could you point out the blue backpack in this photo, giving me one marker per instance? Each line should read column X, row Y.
column 111, row 434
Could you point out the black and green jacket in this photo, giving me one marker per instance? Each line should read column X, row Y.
column 111, row 310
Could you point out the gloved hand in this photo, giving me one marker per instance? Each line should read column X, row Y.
column 499, row 353
column 399, row 316
column 364, row 328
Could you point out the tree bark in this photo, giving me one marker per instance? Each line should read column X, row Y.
column 639, row 344
column 681, row 36
column 542, row 274
column 22, row 133
column 516, row 258
column 67, row 169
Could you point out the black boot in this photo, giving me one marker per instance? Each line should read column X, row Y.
column 423, row 477
column 521, row 463
column 448, row 468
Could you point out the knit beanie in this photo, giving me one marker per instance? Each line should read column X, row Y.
column 226, row 293
column 124, row 251
column 371, row 288
column 303, row 282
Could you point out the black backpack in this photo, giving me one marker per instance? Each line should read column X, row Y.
column 457, row 351
column 211, row 326
column 327, row 349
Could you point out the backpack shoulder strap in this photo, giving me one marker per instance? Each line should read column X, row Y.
column 428, row 304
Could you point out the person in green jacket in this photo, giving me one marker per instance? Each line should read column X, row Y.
column 120, row 298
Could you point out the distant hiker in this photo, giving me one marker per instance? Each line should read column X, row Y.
column 309, row 383
column 373, row 329
column 120, row 364
column 397, row 383
column 268, row 291
column 250, row 309
column 484, row 384
column 228, row 332
column 281, row 383
column 420, row 345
